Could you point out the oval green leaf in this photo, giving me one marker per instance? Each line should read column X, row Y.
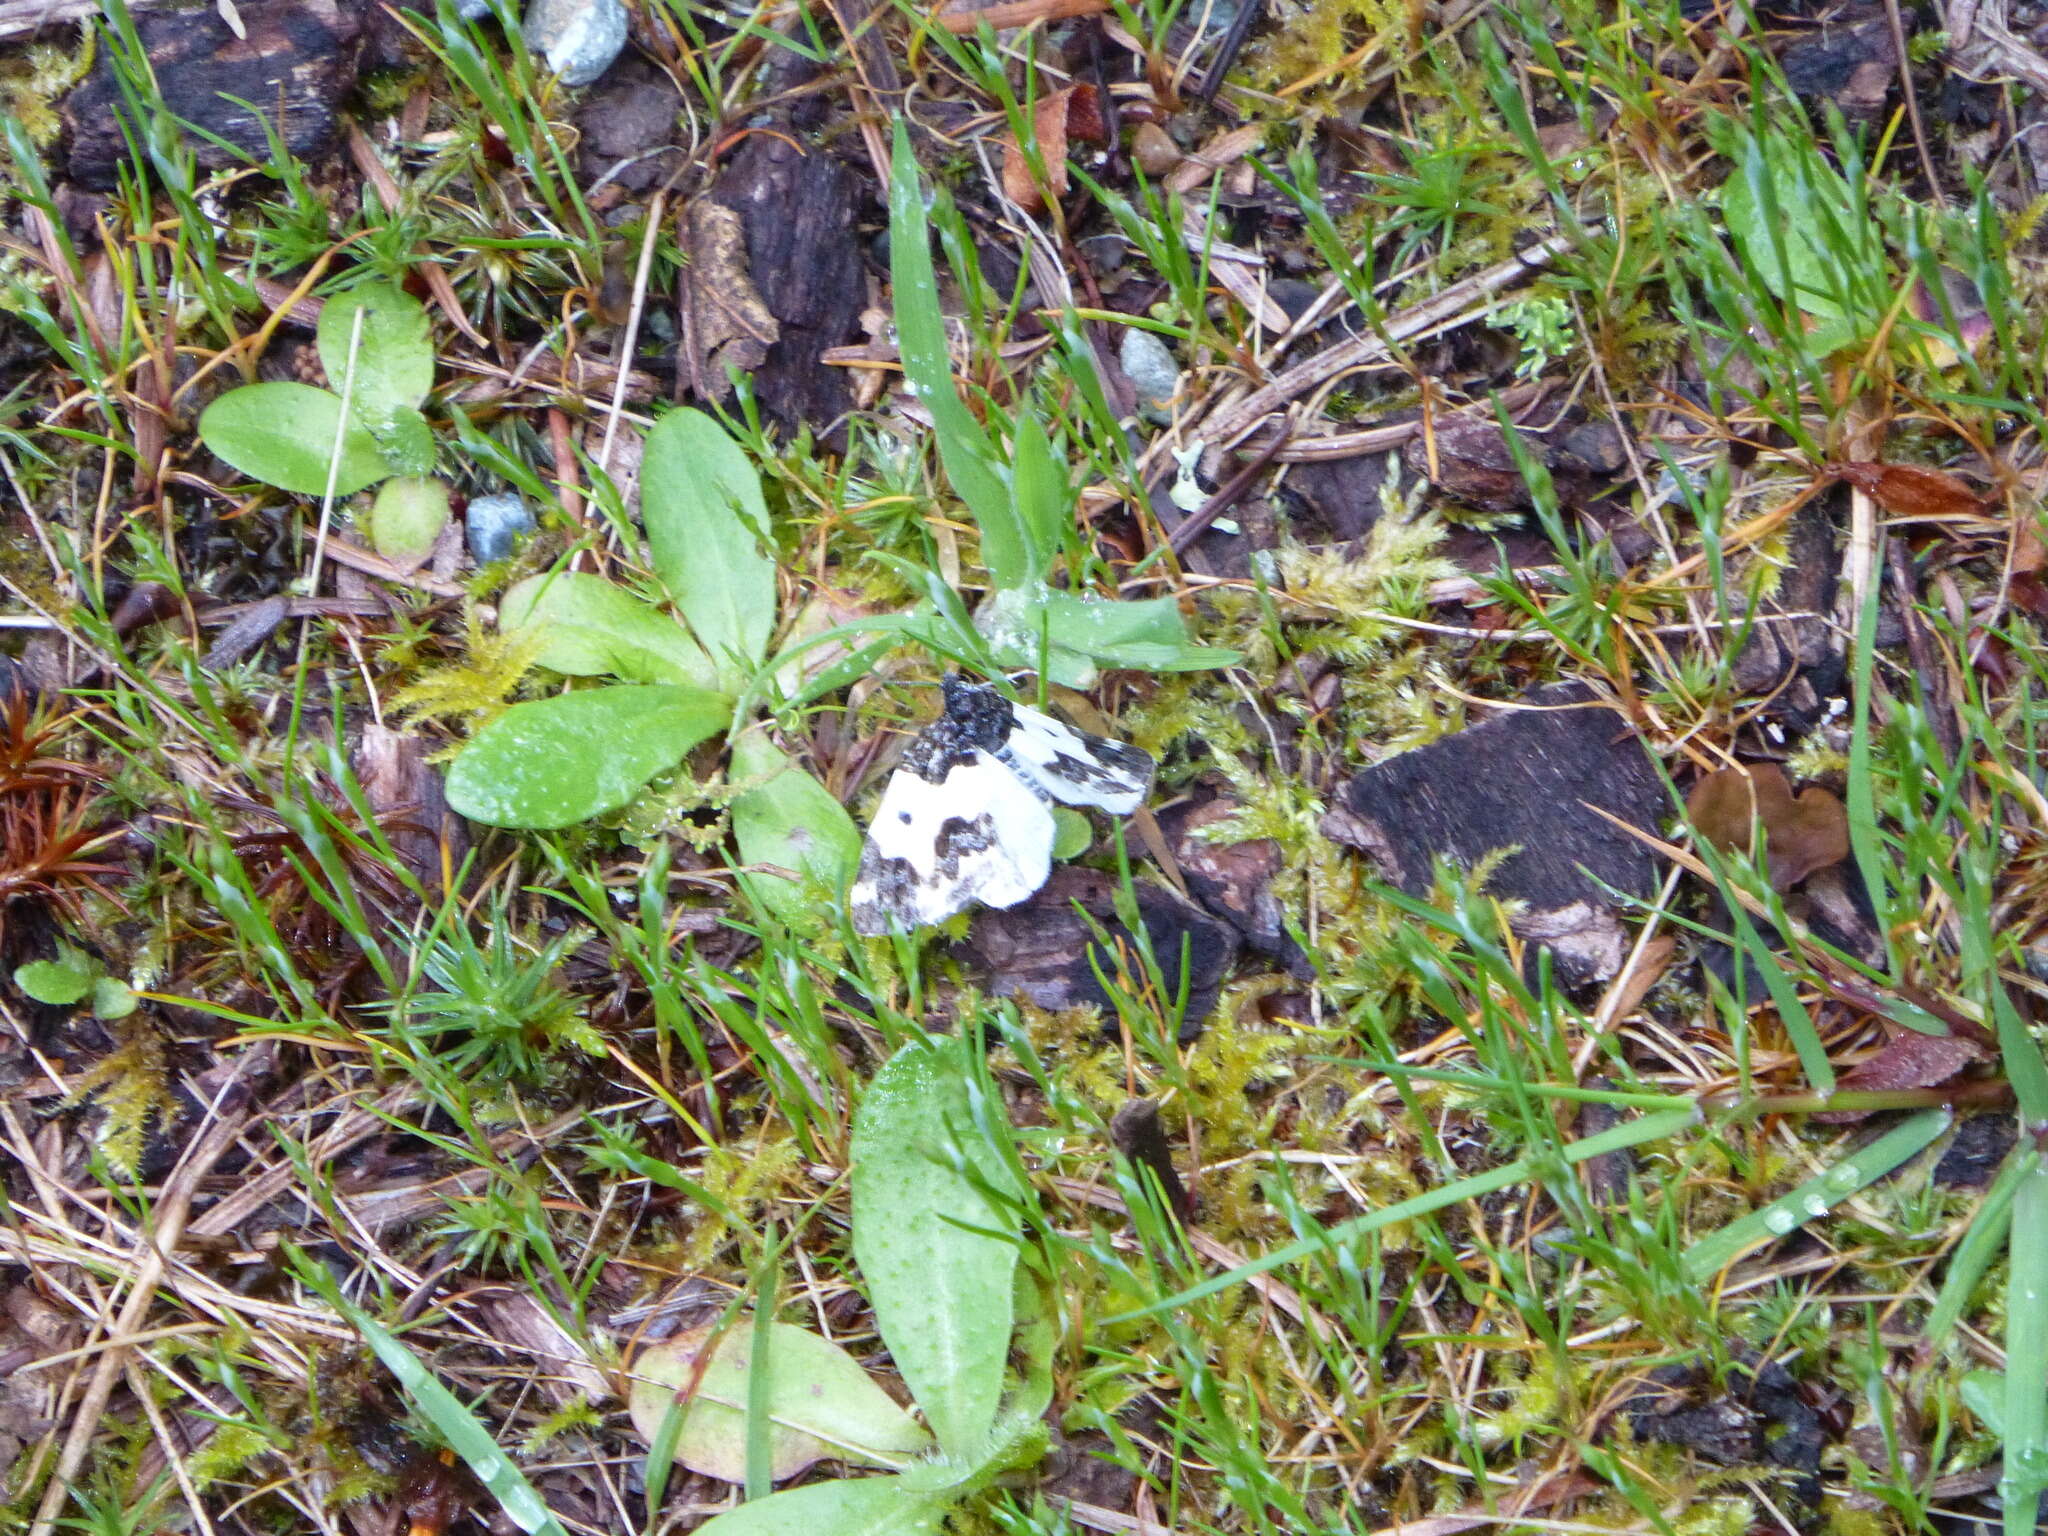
column 930, row 1240
column 60, row 982
column 861, row 1506
column 700, row 501
column 820, row 1403
column 282, row 434
column 793, row 822
column 394, row 357
column 554, row 762
column 588, row 627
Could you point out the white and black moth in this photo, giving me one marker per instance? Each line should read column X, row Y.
column 968, row 815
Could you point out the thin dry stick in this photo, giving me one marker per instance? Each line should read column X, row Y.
column 341, row 426
column 1431, row 314
column 1898, row 27
column 174, row 1458
column 631, row 339
column 200, row 1155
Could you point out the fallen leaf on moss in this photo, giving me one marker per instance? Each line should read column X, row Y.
column 1801, row 834
column 1071, row 114
column 1908, row 1060
column 1913, row 491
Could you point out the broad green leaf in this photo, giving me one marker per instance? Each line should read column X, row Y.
column 590, row 627
column 59, row 982
column 283, row 433
column 820, row 1403
column 964, row 448
column 700, row 500
column 554, row 762
column 394, row 355
column 1983, row 1393
column 451, row 1419
column 407, row 517
column 1796, row 225
column 1076, row 632
column 862, row 1506
column 933, row 1247
column 1038, row 1336
column 406, row 439
column 1043, row 499
column 790, row 820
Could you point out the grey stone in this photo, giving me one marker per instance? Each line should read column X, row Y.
column 578, row 38
column 1151, row 369
column 496, row 525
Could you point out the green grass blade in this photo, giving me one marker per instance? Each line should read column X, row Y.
column 465, row 1435
column 964, row 447
column 2026, row 1357
column 1989, row 1224
column 1816, row 1197
column 1522, row 1169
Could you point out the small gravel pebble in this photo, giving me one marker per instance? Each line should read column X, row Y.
column 496, row 525
column 579, row 38
column 1151, row 368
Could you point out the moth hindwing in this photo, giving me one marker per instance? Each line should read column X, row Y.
column 968, row 815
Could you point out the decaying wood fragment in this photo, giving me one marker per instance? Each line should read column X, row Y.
column 1524, row 781
column 290, row 69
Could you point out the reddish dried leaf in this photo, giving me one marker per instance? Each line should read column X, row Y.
column 1801, row 834
column 1913, row 491
column 1064, row 116
column 1908, row 1060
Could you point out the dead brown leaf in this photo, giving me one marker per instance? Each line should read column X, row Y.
column 1073, row 114
column 1220, row 151
column 1908, row 1060
column 1913, row 491
column 1801, row 834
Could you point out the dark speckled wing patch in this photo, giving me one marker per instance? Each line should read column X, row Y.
column 1075, row 767
column 968, row 815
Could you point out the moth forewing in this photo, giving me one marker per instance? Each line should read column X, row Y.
column 1077, row 767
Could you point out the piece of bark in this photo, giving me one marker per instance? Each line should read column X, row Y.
column 729, row 327
column 1233, row 880
column 1135, row 1131
column 1469, row 458
column 1606, row 1176
column 1044, row 953
column 25, row 18
column 1522, row 780
column 1977, row 1151
column 294, row 65
column 629, row 128
column 404, row 791
column 1760, row 1415
column 1339, row 499
column 1798, row 662
column 1853, row 63
column 799, row 209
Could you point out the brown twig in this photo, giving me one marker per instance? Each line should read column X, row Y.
column 1018, row 13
